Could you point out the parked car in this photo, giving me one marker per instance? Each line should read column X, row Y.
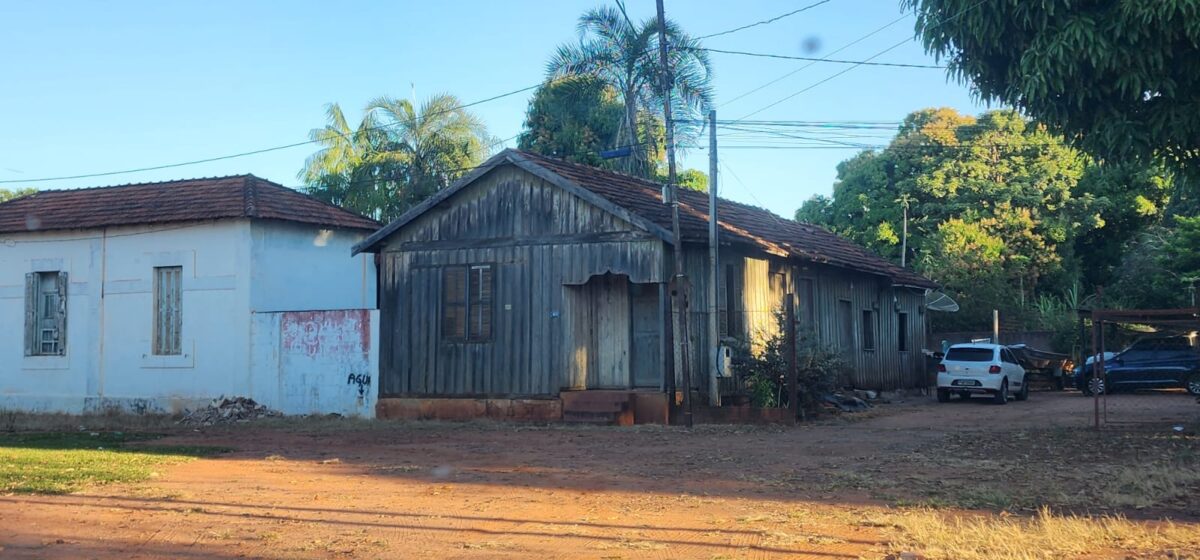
column 1150, row 363
column 981, row 369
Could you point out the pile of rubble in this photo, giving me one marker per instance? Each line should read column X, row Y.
column 227, row 410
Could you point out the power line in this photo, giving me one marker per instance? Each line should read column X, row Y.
column 763, row 22
column 250, row 153
column 872, row 57
column 835, row 51
column 868, row 59
column 816, row 59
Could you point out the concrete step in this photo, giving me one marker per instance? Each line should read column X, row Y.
column 623, row 418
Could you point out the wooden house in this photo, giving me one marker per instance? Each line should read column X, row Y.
column 532, row 279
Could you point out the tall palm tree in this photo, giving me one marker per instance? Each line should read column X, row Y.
column 625, row 56
column 397, row 156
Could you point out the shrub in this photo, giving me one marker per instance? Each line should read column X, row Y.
column 763, row 375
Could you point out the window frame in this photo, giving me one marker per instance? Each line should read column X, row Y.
column 174, row 347
column 902, row 334
column 37, row 312
column 869, row 330
column 472, row 300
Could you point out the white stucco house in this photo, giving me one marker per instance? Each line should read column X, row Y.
column 158, row 297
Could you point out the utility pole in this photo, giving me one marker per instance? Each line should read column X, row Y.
column 904, row 239
column 679, row 282
column 714, row 267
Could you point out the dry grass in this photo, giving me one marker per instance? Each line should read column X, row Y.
column 1044, row 536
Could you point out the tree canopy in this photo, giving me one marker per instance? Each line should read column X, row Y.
column 990, row 203
column 573, row 118
column 623, row 55
column 1121, row 79
column 9, row 194
column 396, row 156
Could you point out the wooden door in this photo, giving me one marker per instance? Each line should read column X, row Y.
column 646, row 335
column 610, row 332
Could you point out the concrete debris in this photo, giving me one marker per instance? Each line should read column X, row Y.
column 227, row 410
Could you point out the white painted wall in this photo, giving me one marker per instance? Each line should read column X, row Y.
column 297, row 267
column 316, row 362
column 227, row 265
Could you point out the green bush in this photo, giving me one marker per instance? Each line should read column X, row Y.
column 763, row 375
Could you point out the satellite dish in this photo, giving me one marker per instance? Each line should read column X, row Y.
column 936, row 300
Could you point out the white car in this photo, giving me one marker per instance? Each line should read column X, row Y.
column 981, row 369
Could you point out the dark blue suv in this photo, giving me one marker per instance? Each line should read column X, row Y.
column 1150, row 363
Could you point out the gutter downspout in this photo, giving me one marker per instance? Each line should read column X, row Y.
column 103, row 282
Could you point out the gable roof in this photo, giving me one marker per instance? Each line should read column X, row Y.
column 238, row 196
column 641, row 200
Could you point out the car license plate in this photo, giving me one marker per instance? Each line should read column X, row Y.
column 965, row 383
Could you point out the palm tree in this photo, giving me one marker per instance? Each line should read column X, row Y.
column 625, row 56
column 397, row 156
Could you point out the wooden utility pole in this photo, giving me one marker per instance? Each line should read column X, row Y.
column 714, row 268
column 679, row 282
column 789, row 323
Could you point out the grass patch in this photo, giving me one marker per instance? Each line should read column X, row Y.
column 60, row 463
column 1043, row 536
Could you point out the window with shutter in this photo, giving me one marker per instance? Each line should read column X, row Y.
column 467, row 303
column 480, row 304
column 46, row 313
column 454, row 303
column 168, row 311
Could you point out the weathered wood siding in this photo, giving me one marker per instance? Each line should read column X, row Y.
column 763, row 281
column 541, row 240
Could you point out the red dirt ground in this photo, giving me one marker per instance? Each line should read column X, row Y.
column 481, row 490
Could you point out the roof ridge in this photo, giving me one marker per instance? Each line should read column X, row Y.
column 250, row 197
column 146, row 184
column 644, row 180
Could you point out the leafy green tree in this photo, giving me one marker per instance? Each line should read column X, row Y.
column 1000, row 174
column 944, row 165
column 396, row 156
column 1122, row 201
column 573, row 118
column 970, row 261
column 9, row 194
column 625, row 57
column 692, row 179
column 1122, row 79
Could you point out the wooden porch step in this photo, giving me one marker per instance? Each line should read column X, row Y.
column 622, row 418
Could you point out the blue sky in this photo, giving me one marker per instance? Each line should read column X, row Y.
column 91, row 87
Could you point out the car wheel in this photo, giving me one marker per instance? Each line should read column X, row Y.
column 1096, row 386
column 1193, row 384
column 1023, row 394
column 1001, row 396
column 943, row 395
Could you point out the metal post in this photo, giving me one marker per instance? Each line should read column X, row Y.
column 1095, row 369
column 789, row 323
column 680, row 283
column 714, row 266
column 995, row 326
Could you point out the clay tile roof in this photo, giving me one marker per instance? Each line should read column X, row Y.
column 741, row 222
column 239, row 196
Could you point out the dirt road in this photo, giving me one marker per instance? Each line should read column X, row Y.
column 438, row 490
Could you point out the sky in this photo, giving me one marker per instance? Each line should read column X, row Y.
column 93, row 87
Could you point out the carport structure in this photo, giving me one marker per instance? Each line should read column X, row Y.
column 1179, row 319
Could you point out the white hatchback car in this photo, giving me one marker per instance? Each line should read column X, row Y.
column 981, row 369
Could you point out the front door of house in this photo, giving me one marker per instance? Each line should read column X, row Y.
column 610, row 332
column 645, row 317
